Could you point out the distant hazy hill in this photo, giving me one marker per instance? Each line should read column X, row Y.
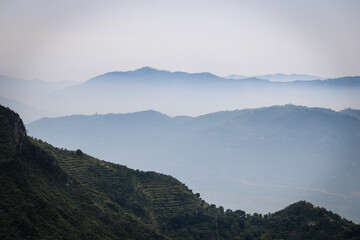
column 30, row 113
column 280, row 77
column 180, row 93
column 351, row 112
column 49, row 193
column 266, row 157
column 28, row 91
column 149, row 75
column 24, row 95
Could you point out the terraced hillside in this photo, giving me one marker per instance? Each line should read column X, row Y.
column 154, row 198
column 51, row 193
column 39, row 200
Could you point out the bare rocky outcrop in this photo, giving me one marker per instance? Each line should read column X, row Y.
column 14, row 140
column 19, row 133
column 12, row 131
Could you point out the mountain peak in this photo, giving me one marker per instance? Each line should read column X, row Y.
column 152, row 75
column 148, row 70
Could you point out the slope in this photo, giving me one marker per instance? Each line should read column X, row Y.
column 351, row 112
column 52, row 193
column 39, row 200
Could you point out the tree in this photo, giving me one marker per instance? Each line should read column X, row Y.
column 221, row 209
column 79, row 152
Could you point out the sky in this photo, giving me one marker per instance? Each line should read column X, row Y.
column 79, row 39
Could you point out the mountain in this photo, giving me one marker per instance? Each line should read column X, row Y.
column 150, row 75
column 52, row 193
column 180, row 93
column 30, row 113
column 40, row 200
column 29, row 91
column 23, row 95
column 351, row 112
column 279, row 77
column 177, row 93
column 261, row 159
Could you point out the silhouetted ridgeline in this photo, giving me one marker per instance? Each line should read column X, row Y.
column 51, row 193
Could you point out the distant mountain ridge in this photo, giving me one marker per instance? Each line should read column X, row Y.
column 51, row 193
column 179, row 93
column 351, row 112
column 175, row 93
column 30, row 112
column 149, row 72
column 149, row 76
column 22, row 95
column 280, row 77
column 27, row 91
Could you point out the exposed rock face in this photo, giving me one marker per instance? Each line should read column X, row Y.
column 12, row 132
column 19, row 133
column 14, row 136
column 46, row 158
column 14, row 140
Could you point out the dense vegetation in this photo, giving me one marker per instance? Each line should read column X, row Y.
column 51, row 193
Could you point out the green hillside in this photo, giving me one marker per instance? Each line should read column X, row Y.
column 39, row 200
column 52, row 193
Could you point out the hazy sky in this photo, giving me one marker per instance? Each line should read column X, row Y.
column 76, row 40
